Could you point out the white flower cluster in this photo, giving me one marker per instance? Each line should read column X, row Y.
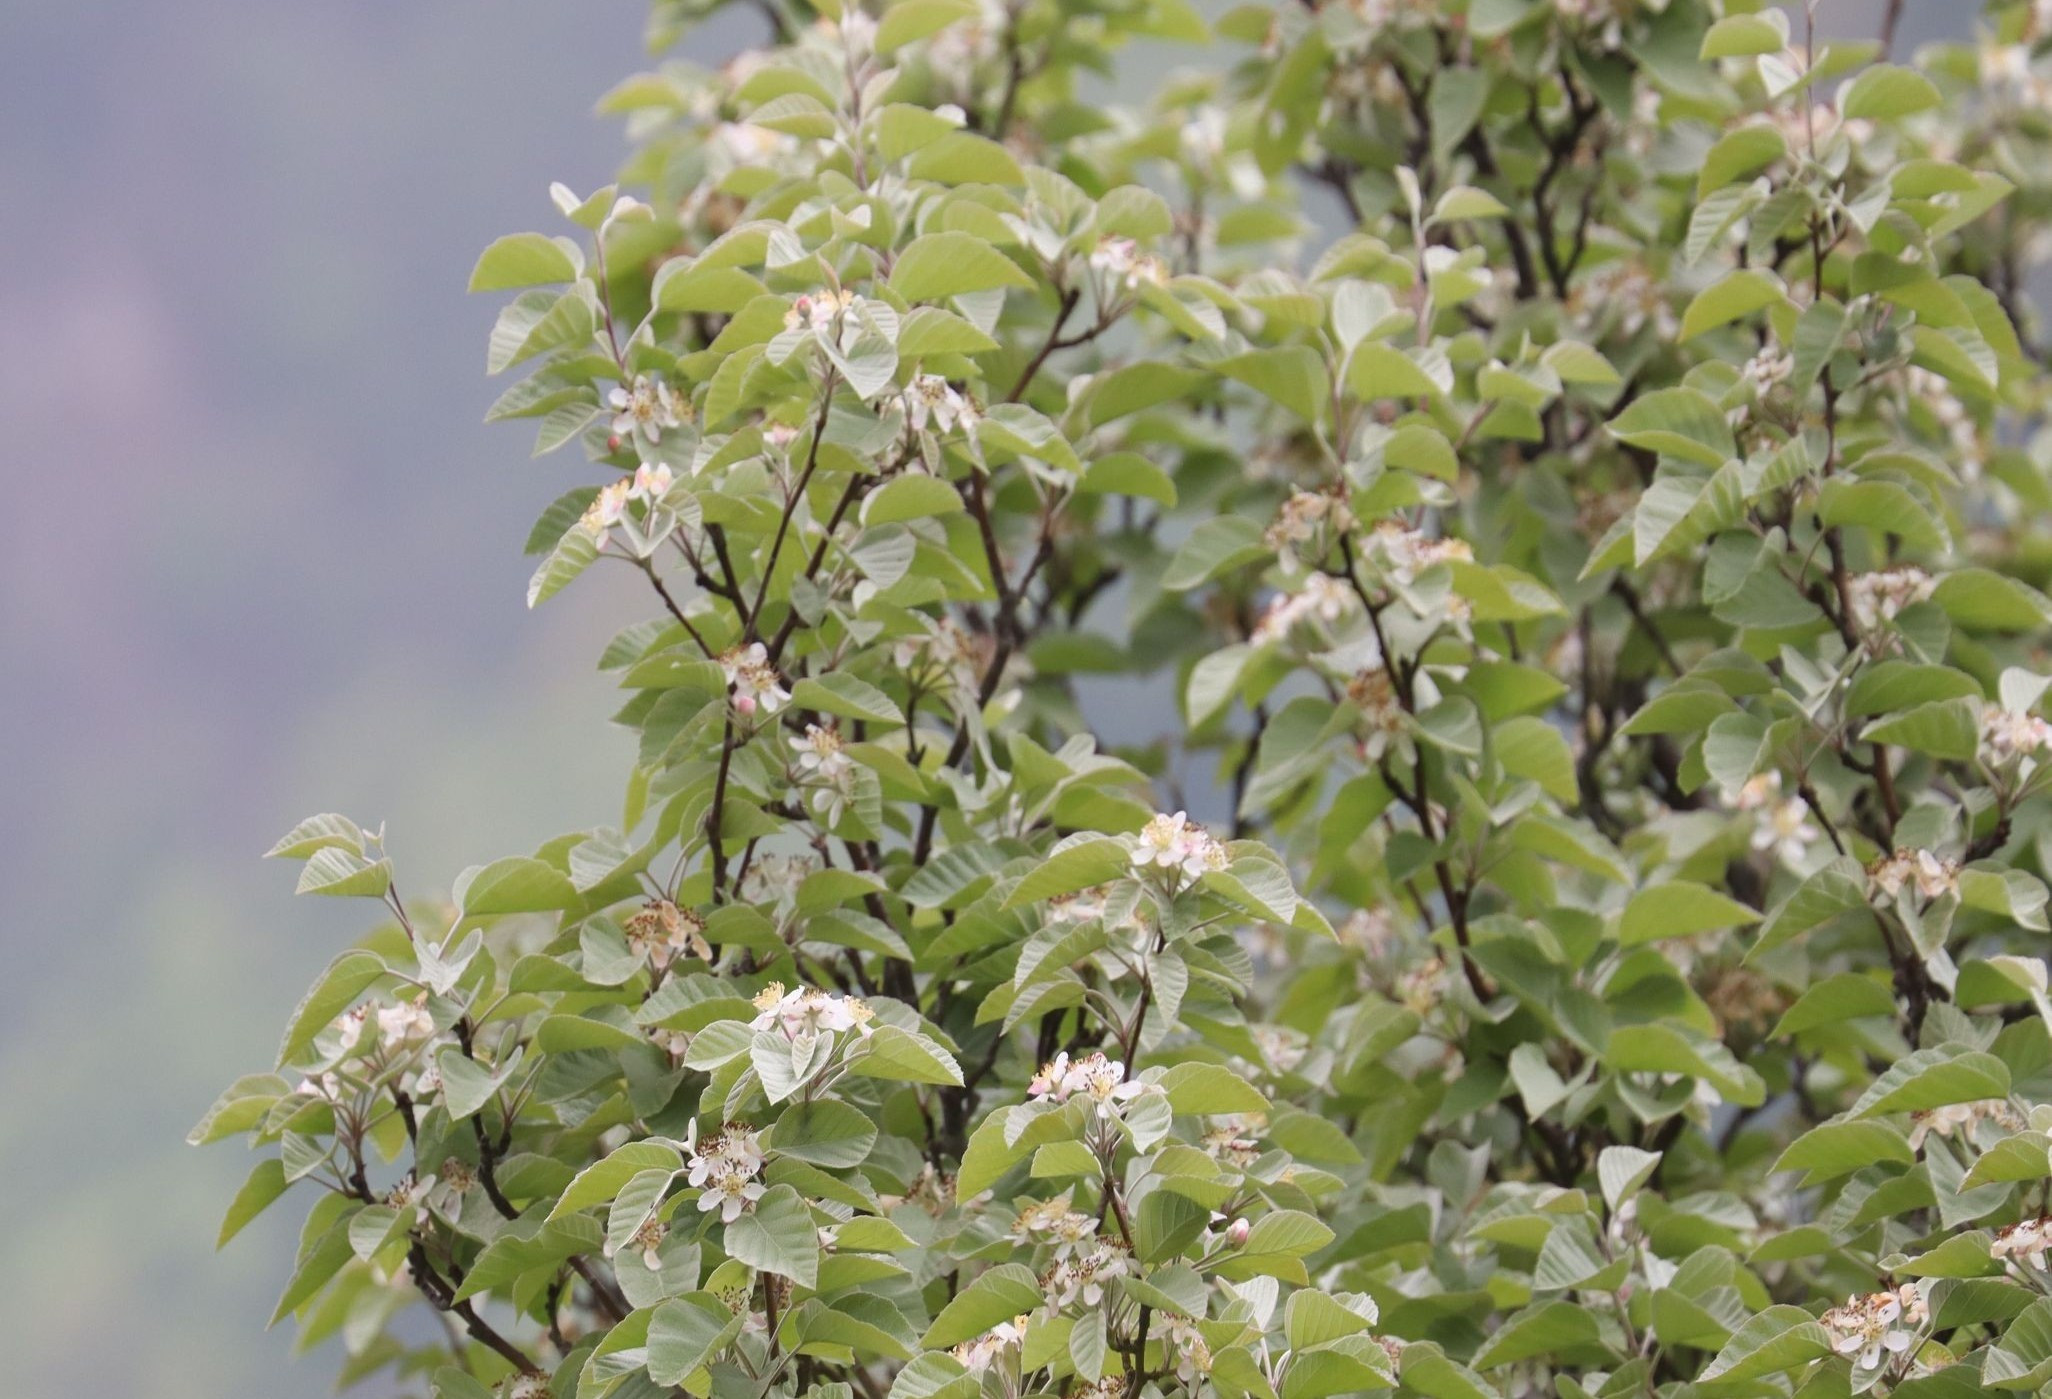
column 805, row 1012
column 1784, row 826
column 649, row 484
column 1403, row 553
column 1870, row 1329
column 1382, row 711
column 2009, row 736
column 1175, row 842
column 1103, row 1081
column 1305, row 517
column 1052, row 1222
column 2027, row 1240
column 659, row 932
column 1233, row 1140
column 1880, row 596
column 1959, row 1119
column 822, row 761
column 369, row 1037
column 1121, row 260
column 647, row 409
column 1083, row 1278
column 931, row 399
column 1931, row 874
column 724, row 1165
column 1321, row 598
column 753, row 681
column 981, row 1353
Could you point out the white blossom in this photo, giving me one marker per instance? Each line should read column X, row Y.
column 1176, row 842
column 753, row 681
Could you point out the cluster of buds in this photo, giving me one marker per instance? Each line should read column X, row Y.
column 724, row 1166
column 1322, row 598
column 1121, row 260
column 1083, row 1278
column 804, row 1012
column 2026, row 1240
column 646, row 409
column 1175, row 842
column 1103, row 1081
column 1383, row 721
column 659, row 932
column 1070, row 1231
column 1932, row 875
column 931, row 399
column 1872, row 1328
column 752, row 680
column 1882, row 595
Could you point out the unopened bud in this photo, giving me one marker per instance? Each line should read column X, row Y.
column 1237, row 1232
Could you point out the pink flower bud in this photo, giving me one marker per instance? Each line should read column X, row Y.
column 1237, row 1231
column 745, row 703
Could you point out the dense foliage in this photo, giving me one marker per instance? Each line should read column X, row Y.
column 1598, row 585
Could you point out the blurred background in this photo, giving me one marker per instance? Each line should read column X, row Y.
column 287, row 578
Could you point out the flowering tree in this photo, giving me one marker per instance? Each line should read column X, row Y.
column 1596, row 585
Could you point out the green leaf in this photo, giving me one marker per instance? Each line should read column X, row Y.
column 576, row 551
column 1840, row 1147
column 1218, row 545
column 1679, row 909
column 315, row 834
column 837, row 692
column 1082, row 864
column 685, row 1334
column 1888, row 92
column 340, row 873
column 346, row 978
column 1678, row 422
column 599, row 1182
column 2022, row 1359
column 910, row 497
column 1738, row 155
column 1743, row 36
column 908, row 21
column 526, row 260
column 905, row 1056
column 824, row 1132
column 997, row 1294
column 1778, row 1340
column 1738, row 294
column 1884, row 506
column 1934, row 1078
column 1128, row 473
column 939, row 265
column 778, row 1236
column 1546, row 1329
column 265, row 1184
column 515, row 884
column 1211, row 1089
column 317, row 1266
column 1949, row 729
column 1292, row 375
